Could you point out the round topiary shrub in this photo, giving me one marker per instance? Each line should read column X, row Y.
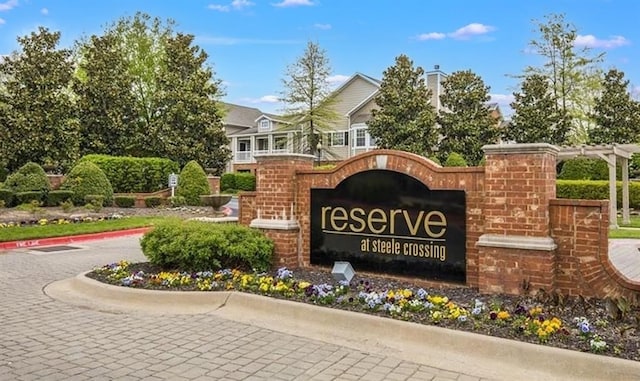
column 86, row 179
column 203, row 246
column 28, row 178
column 192, row 183
column 455, row 160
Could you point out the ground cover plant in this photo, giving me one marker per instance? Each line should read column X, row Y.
column 579, row 324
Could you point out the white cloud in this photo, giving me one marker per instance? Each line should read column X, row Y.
column 269, row 99
column 2, row 21
column 337, row 79
column 591, row 41
column 473, row 29
column 239, row 4
column 502, row 99
column 293, row 3
column 44, row 11
column 8, row 5
column 322, row 26
column 220, row 8
column 431, row 36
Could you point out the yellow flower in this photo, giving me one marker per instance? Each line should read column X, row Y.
column 391, row 294
column 503, row 315
column 303, row 285
column 407, row 293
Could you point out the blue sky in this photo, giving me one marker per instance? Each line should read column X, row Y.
column 251, row 42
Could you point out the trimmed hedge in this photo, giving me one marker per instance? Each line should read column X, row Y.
column 584, row 168
column 455, row 160
column 28, row 196
column 596, row 190
column 29, row 177
column 85, row 179
column 7, row 195
column 203, row 246
column 135, row 174
column 56, row 197
column 227, row 182
column 192, row 183
column 238, row 181
column 124, row 201
column 153, row 201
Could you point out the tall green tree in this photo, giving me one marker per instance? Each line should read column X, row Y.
column 572, row 73
column 103, row 85
column 148, row 91
column 405, row 119
column 617, row 114
column 465, row 121
column 37, row 114
column 308, row 98
column 535, row 118
column 190, row 118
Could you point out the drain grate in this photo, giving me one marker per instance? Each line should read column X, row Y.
column 51, row 249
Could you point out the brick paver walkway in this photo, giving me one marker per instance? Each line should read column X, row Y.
column 44, row 339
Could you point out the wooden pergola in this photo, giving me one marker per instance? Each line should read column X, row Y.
column 609, row 153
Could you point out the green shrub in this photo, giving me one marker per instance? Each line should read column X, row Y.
column 66, row 206
column 135, row 174
column 227, row 181
column 245, row 182
column 177, row 201
column 124, row 201
column 4, row 172
column 27, row 197
column 455, row 160
column 94, row 202
column 56, row 197
column 29, row 177
column 192, row 183
column 596, row 190
column 153, row 201
column 7, row 195
column 435, row 160
column 202, row 246
column 86, row 178
column 584, row 168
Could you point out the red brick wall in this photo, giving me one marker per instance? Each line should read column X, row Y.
column 581, row 231
column 513, row 196
column 246, row 207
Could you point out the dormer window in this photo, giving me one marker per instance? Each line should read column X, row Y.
column 265, row 125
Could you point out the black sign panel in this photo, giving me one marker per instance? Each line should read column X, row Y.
column 388, row 222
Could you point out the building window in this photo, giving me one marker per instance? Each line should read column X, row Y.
column 280, row 143
column 338, row 138
column 362, row 139
column 262, row 144
column 265, row 125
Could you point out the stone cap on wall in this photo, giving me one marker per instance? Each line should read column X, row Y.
column 517, row 242
column 516, row 148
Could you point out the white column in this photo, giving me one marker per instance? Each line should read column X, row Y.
column 626, row 219
column 613, row 205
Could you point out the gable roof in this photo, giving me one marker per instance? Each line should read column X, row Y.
column 346, row 83
column 241, row 116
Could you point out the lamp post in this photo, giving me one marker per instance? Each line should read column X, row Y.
column 319, row 151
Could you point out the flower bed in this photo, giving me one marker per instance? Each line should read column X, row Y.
column 571, row 323
column 56, row 221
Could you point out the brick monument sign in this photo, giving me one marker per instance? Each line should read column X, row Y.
column 498, row 228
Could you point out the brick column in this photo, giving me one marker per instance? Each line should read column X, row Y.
column 516, row 251
column 275, row 203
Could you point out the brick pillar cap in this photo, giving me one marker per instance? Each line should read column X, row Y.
column 284, row 156
column 516, row 148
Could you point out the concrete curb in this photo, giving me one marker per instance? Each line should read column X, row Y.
column 473, row 354
column 10, row 245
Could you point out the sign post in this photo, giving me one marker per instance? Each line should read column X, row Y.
column 173, row 183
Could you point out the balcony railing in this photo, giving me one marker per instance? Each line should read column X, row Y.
column 247, row 156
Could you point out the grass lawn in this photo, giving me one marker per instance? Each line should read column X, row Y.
column 47, row 231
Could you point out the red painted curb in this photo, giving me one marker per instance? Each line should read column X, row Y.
column 71, row 239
